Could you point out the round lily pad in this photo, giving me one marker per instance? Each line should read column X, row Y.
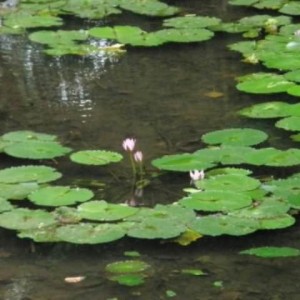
column 182, row 162
column 127, row 266
column 39, row 174
column 85, row 233
column 263, row 83
column 60, row 195
column 17, row 191
column 216, row 201
column 156, row 229
column 289, row 123
column 235, row 136
column 95, row 157
column 215, row 225
column 40, row 235
column 290, row 157
column 192, row 22
column 266, row 110
column 5, row 205
column 272, row 252
column 36, row 149
column 229, row 182
column 134, row 279
column 103, row 211
column 25, row 219
column 27, row 135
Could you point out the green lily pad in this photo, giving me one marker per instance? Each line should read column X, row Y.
column 128, row 279
column 263, row 83
column 156, row 229
column 21, row 20
column 39, row 174
column 27, row 135
column 272, row 252
column 60, row 195
column 36, row 150
column 229, row 182
column 290, row 157
column 17, row 191
column 293, row 76
column 267, row 110
column 191, row 21
column 289, row 123
column 95, row 157
column 233, row 171
column 263, row 156
column 291, row 8
column 85, row 233
column 5, row 205
column 103, row 211
column 216, row 200
column 181, row 162
column 40, row 235
column 215, row 225
column 127, row 266
column 277, row 222
column 235, row 136
column 25, row 219
column 58, row 38
column 294, row 90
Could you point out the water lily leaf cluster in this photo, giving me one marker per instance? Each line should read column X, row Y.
column 289, row 7
column 31, row 145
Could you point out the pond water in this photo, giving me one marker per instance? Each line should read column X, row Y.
column 161, row 96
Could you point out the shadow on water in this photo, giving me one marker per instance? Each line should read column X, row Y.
column 161, row 97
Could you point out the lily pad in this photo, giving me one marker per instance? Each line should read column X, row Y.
column 25, row 219
column 191, row 21
column 235, row 136
column 215, row 225
column 17, row 191
column 263, row 83
column 272, row 252
column 85, row 233
column 27, row 135
column 128, row 279
column 182, row 162
column 103, row 211
column 39, row 174
column 267, row 110
column 236, row 183
column 95, row 157
column 36, row 150
column 40, row 235
column 127, row 266
column 216, row 200
column 289, row 123
column 60, row 195
column 5, row 205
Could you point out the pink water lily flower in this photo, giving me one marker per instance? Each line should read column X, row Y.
column 138, row 156
column 129, row 144
column 197, row 175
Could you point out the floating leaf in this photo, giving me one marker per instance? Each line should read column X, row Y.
column 215, row 225
column 127, row 266
column 182, row 162
column 272, row 252
column 27, row 135
column 187, row 237
column 40, row 235
column 39, row 174
column 128, row 279
column 267, row 110
column 235, row 136
column 25, row 219
column 5, row 205
column 85, row 233
column 289, row 123
column 36, row 150
column 218, row 200
column 263, row 83
column 233, row 171
column 191, row 21
column 132, row 253
column 195, row 272
column 95, row 157
column 60, row 195
column 17, row 191
column 229, row 182
column 103, row 211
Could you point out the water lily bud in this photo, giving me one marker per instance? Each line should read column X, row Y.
column 138, row 156
column 129, row 144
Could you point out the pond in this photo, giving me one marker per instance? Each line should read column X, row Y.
column 166, row 97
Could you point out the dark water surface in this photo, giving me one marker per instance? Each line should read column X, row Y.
column 160, row 96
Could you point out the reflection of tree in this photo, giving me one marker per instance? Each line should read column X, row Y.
column 38, row 83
